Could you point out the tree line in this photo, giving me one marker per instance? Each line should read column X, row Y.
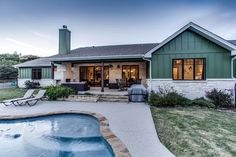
column 7, row 62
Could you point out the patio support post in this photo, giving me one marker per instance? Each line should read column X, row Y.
column 102, row 77
column 52, row 70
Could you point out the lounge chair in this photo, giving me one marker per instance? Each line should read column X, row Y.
column 35, row 99
column 27, row 95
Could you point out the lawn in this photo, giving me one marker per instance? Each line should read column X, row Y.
column 10, row 93
column 196, row 132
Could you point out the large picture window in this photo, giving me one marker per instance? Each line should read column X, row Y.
column 36, row 74
column 188, row 69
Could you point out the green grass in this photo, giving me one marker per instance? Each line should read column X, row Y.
column 196, row 132
column 11, row 93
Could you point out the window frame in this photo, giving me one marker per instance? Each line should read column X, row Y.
column 122, row 75
column 194, row 69
column 38, row 77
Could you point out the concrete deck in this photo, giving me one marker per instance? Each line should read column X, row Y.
column 131, row 122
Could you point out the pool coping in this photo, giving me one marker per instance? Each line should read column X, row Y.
column 118, row 147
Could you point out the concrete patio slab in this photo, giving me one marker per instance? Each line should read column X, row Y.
column 131, row 122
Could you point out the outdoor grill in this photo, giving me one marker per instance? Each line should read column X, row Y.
column 137, row 93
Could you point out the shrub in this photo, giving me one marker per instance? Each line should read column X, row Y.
column 201, row 102
column 54, row 92
column 31, row 84
column 220, row 98
column 167, row 97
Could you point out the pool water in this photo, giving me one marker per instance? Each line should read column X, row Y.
column 64, row 135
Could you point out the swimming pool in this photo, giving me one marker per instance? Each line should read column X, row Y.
column 61, row 135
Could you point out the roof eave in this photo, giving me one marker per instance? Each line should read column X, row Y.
column 97, row 58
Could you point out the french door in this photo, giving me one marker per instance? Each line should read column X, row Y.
column 130, row 73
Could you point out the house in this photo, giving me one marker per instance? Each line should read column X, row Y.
column 192, row 60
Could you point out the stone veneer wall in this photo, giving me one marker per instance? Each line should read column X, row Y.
column 114, row 72
column 193, row 89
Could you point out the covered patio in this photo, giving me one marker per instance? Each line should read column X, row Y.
column 103, row 75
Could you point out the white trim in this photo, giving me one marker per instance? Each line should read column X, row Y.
column 232, row 67
column 216, row 79
column 162, row 79
column 203, row 32
column 221, row 79
column 97, row 57
column 150, row 71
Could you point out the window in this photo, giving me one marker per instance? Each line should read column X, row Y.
column 36, row 74
column 188, row 69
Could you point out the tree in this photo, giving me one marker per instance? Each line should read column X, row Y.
column 8, row 72
column 27, row 58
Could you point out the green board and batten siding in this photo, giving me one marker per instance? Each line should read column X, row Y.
column 46, row 73
column 191, row 45
column 26, row 73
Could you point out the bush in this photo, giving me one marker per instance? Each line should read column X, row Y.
column 220, row 98
column 167, row 97
column 54, row 92
column 31, row 84
column 201, row 102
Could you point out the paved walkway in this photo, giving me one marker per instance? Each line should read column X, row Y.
column 131, row 122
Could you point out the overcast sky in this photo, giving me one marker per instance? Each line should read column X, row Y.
column 31, row 26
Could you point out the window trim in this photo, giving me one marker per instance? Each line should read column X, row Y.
column 182, row 77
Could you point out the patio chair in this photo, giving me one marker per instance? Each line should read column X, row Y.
column 35, row 99
column 27, row 95
column 122, row 84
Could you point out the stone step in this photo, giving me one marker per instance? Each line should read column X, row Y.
column 114, row 96
column 112, row 100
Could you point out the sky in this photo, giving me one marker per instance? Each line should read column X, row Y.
column 31, row 26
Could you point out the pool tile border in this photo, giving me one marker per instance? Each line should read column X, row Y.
column 119, row 148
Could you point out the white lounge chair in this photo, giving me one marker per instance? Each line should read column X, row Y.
column 27, row 95
column 35, row 99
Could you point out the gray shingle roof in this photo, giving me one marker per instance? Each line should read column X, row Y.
column 232, row 41
column 113, row 50
column 136, row 50
column 45, row 61
column 87, row 53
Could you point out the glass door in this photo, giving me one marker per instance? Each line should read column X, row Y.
column 92, row 74
column 130, row 73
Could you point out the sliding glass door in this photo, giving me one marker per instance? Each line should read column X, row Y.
column 92, row 74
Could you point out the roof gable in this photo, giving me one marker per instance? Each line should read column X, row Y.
column 201, row 31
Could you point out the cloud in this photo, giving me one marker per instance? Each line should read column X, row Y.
column 20, row 43
column 41, row 35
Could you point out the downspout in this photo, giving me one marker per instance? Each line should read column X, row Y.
column 150, row 71
column 232, row 67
